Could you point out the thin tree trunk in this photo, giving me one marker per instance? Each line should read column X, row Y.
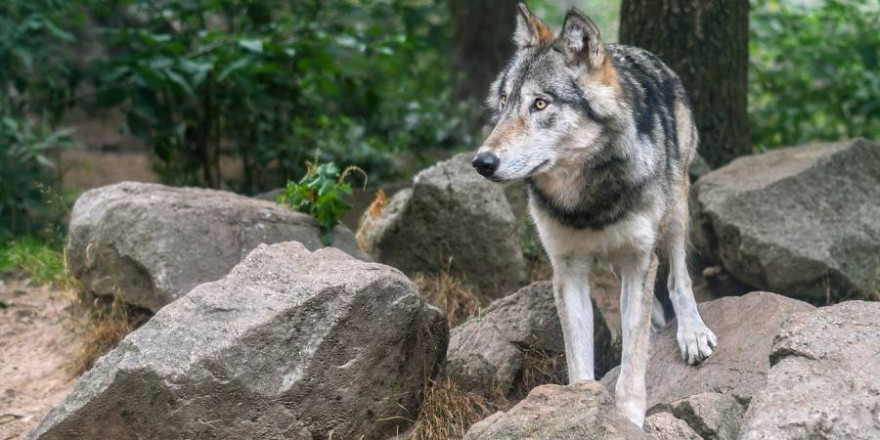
column 706, row 43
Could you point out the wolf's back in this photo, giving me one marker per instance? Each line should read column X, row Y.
column 660, row 105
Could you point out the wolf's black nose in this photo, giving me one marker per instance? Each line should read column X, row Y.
column 486, row 164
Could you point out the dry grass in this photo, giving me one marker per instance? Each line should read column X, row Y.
column 539, row 368
column 454, row 297
column 448, row 411
column 109, row 321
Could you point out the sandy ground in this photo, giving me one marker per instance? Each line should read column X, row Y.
column 37, row 342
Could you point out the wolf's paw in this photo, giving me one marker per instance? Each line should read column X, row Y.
column 697, row 342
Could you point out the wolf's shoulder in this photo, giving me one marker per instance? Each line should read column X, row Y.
column 637, row 61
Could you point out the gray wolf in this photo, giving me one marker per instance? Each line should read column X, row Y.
column 603, row 134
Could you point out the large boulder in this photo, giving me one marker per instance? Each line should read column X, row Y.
column 582, row 411
column 825, row 380
column 745, row 327
column 451, row 218
column 491, row 352
column 289, row 345
column 152, row 243
column 711, row 396
column 803, row 221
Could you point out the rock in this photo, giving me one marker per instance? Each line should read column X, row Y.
column 153, row 243
column 804, row 221
column 699, row 168
column 490, row 352
column 825, row 379
column 665, row 426
column 745, row 327
column 582, row 411
column 713, row 416
column 451, row 218
column 289, row 345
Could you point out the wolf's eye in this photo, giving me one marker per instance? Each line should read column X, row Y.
column 540, row 104
column 502, row 102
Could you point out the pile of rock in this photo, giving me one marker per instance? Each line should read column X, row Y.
column 261, row 332
column 783, row 370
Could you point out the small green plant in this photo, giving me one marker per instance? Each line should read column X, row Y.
column 321, row 194
column 40, row 261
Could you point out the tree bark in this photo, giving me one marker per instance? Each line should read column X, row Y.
column 706, row 43
column 482, row 42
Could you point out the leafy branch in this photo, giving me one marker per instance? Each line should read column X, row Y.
column 321, row 194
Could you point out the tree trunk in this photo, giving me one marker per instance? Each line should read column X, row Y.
column 482, row 42
column 706, row 43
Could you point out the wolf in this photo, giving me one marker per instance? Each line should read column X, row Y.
column 603, row 135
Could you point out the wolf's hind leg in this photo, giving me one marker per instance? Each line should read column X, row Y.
column 695, row 339
column 571, row 291
column 637, row 293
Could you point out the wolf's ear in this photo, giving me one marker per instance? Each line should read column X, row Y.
column 581, row 39
column 530, row 30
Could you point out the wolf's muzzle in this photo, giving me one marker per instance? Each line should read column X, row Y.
column 486, row 164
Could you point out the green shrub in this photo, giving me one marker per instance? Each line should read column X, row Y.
column 34, row 80
column 813, row 71
column 29, row 178
column 321, row 193
column 39, row 260
column 273, row 83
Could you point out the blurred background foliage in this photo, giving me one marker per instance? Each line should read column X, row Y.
column 271, row 83
column 814, row 71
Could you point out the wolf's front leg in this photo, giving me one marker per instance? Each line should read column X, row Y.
column 571, row 290
column 637, row 294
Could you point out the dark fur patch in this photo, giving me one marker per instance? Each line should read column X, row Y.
column 597, row 211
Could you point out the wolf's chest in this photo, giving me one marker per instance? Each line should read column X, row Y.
column 595, row 205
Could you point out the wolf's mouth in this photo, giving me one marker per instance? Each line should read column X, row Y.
column 535, row 169
column 497, row 179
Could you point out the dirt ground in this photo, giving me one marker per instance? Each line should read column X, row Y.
column 38, row 340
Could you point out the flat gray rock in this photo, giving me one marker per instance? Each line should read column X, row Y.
column 152, row 243
column 582, row 411
column 803, row 221
column 289, row 345
column 745, row 327
column 825, row 379
column 489, row 352
column 451, row 218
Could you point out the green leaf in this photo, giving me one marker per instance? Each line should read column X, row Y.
column 180, row 81
column 237, row 65
column 253, row 45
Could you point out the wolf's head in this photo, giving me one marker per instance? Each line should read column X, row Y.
column 554, row 101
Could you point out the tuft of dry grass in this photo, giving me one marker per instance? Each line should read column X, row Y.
column 109, row 321
column 539, row 368
column 448, row 411
column 454, row 297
